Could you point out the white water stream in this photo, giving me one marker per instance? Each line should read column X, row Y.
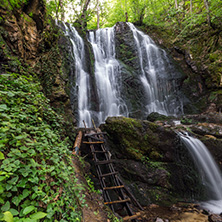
column 158, row 83
column 81, row 86
column 209, row 172
column 107, row 74
column 156, row 76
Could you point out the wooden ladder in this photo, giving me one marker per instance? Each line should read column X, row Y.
column 113, row 190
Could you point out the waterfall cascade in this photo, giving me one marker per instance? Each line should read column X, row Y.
column 81, row 87
column 209, row 172
column 157, row 76
column 107, row 74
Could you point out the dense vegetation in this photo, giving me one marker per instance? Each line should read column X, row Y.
column 37, row 177
column 181, row 13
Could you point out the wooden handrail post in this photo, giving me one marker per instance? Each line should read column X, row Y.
column 77, row 144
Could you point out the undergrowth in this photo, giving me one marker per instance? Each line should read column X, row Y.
column 37, row 180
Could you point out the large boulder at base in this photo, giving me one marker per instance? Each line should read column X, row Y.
column 152, row 161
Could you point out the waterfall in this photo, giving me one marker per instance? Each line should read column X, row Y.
column 101, row 93
column 157, row 76
column 81, row 86
column 209, row 172
column 107, row 74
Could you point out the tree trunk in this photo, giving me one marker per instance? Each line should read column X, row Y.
column 97, row 14
column 84, row 12
column 62, row 10
column 126, row 14
column 176, row 4
column 191, row 10
column 208, row 12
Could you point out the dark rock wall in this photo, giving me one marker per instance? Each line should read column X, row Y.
column 126, row 53
column 152, row 161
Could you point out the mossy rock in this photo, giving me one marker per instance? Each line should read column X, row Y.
column 154, row 116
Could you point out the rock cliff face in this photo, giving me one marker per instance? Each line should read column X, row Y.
column 153, row 161
column 126, row 53
column 21, row 28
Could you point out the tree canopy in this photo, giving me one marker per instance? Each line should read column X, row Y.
column 183, row 13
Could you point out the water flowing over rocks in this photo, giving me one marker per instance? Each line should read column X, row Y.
column 118, row 79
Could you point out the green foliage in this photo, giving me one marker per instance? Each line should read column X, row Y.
column 91, row 185
column 36, row 174
column 112, row 217
column 11, row 4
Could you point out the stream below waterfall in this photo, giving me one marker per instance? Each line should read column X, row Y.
column 208, row 170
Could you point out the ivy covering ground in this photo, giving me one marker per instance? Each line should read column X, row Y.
column 37, row 180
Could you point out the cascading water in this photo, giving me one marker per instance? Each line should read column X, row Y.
column 209, row 172
column 157, row 76
column 159, row 84
column 107, row 75
column 81, row 87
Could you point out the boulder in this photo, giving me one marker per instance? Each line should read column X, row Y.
column 151, row 161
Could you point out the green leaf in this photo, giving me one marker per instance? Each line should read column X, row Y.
column 25, row 193
column 14, row 212
column 22, row 182
column 16, row 200
column 8, row 217
column 3, row 107
column 2, row 157
column 13, row 180
column 1, row 201
column 6, row 207
column 38, row 215
column 1, row 189
column 28, row 209
column 2, row 178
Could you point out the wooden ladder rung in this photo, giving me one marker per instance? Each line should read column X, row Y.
column 94, row 134
column 108, row 174
column 103, row 162
column 130, row 217
column 100, row 151
column 112, row 188
column 118, row 201
column 93, row 142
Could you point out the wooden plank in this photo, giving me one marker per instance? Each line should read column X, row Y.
column 77, row 143
column 130, row 217
column 118, row 201
column 108, row 174
column 103, row 162
column 95, row 142
column 100, row 151
column 95, row 138
column 112, row 188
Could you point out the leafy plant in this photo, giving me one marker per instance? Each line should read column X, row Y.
column 36, row 174
column 91, row 185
